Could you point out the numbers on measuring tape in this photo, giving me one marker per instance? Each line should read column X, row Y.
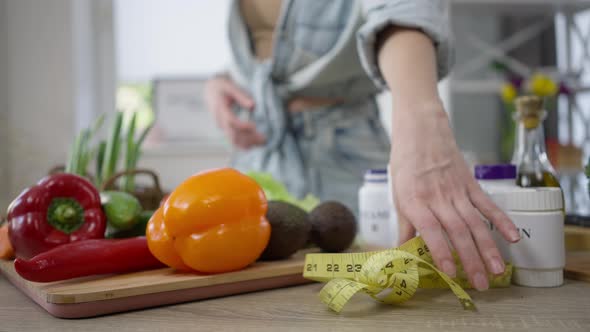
column 423, row 250
column 402, row 270
column 354, row 268
column 333, row 268
column 388, row 266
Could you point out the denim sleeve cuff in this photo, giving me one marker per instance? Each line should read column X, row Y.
column 430, row 16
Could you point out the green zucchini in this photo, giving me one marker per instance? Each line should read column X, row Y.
column 137, row 230
column 121, row 209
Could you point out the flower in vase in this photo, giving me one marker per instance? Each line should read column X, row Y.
column 508, row 93
column 543, row 86
column 564, row 89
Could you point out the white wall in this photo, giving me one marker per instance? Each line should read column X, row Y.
column 170, row 38
column 40, row 86
column 4, row 161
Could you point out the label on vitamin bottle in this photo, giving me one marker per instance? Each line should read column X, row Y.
column 376, row 227
column 541, row 244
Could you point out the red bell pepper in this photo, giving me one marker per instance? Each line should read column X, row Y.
column 89, row 257
column 60, row 209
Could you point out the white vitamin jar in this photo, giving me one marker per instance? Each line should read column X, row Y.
column 377, row 225
column 495, row 177
column 539, row 257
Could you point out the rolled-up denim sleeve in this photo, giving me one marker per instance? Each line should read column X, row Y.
column 430, row 16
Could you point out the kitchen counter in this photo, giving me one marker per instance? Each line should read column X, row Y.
column 298, row 308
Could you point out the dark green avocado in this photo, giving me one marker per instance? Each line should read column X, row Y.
column 290, row 229
column 333, row 226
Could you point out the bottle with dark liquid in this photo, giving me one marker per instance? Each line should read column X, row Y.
column 530, row 155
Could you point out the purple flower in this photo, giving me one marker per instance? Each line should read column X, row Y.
column 516, row 81
column 564, row 89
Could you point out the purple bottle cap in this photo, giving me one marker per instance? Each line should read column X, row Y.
column 376, row 171
column 376, row 175
column 495, row 172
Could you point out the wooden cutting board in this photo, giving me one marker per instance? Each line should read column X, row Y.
column 94, row 296
column 577, row 244
column 578, row 265
column 577, row 238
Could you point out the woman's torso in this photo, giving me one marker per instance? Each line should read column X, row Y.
column 307, row 48
column 309, row 39
column 261, row 16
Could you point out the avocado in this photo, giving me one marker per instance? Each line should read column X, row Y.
column 333, row 226
column 290, row 229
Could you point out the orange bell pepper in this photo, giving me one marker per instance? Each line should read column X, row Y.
column 215, row 221
column 6, row 249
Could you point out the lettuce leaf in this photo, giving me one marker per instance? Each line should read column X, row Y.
column 276, row 191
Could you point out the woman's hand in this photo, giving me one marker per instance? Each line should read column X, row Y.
column 221, row 94
column 434, row 191
column 436, row 194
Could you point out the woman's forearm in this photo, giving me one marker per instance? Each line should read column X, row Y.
column 407, row 61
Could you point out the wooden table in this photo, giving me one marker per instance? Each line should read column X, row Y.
column 297, row 308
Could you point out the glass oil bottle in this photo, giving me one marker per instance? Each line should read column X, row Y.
column 530, row 155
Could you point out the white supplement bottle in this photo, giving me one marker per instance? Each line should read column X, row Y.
column 378, row 228
column 539, row 257
column 496, row 176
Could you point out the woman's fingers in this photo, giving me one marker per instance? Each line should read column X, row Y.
column 242, row 134
column 221, row 94
column 431, row 231
column 492, row 213
column 481, row 234
column 405, row 229
column 237, row 94
column 460, row 235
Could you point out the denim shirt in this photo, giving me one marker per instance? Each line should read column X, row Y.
column 321, row 48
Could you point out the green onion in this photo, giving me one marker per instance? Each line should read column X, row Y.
column 102, row 147
column 112, row 148
column 130, row 154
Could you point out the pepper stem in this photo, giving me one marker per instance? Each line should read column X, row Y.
column 65, row 214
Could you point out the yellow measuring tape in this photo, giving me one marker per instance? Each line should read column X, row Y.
column 389, row 276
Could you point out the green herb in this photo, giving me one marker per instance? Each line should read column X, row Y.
column 276, row 191
column 112, row 149
column 81, row 153
column 130, row 162
column 133, row 151
column 102, row 147
column 108, row 152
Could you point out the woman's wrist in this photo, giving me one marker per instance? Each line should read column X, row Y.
column 417, row 106
column 411, row 117
column 418, row 125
